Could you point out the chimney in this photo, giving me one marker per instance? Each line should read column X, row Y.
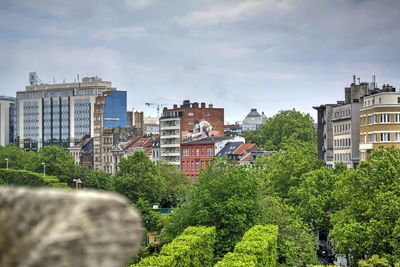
column 210, row 106
column 195, row 105
column 354, row 79
column 186, row 104
column 203, row 105
column 175, row 106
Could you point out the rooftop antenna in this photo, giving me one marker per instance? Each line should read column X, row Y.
column 374, row 80
column 358, row 80
column 78, row 77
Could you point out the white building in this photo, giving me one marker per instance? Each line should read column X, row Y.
column 7, row 119
column 253, row 120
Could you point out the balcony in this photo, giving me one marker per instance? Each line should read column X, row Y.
column 366, row 146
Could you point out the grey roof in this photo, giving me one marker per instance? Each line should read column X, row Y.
column 253, row 113
column 207, row 140
column 229, row 148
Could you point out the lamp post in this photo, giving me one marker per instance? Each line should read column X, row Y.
column 44, row 169
column 6, row 162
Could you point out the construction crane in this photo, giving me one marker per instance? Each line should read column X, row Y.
column 158, row 107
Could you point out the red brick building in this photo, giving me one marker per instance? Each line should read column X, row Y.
column 185, row 123
column 196, row 154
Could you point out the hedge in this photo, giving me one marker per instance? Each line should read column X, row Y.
column 259, row 242
column 27, row 178
column 194, row 247
column 237, row 260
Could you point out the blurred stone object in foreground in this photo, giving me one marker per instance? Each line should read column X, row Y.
column 49, row 228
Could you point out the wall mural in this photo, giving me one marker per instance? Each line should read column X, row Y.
column 201, row 130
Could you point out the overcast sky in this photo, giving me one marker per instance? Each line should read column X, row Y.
column 270, row 55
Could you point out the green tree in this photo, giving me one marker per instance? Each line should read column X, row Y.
column 225, row 196
column 97, row 179
column 296, row 245
column 18, row 159
column 177, row 185
column 368, row 222
column 282, row 171
column 282, row 126
column 139, row 178
column 59, row 163
column 150, row 219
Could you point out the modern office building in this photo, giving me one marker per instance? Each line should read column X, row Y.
column 7, row 120
column 188, row 122
column 62, row 114
column 253, row 120
column 379, row 122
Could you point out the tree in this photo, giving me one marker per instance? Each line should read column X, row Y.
column 296, row 245
column 97, row 179
column 59, row 163
column 18, row 159
column 282, row 126
column 225, row 196
column 177, row 185
column 282, row 171
column 151, row 220
column 368, row 222
column 139, row 178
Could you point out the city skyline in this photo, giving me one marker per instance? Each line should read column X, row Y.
column 237, row 55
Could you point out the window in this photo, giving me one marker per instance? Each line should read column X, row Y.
column 397, row 136
column 209, row 152
column 192, row 166
column 191, row 114
column 371, row 119
column 197, row 166
column 186, row 152
column 371, row 138
column 183, row 166
column 385, row 118
column 397, row 117
column 385, row 137
column 197, row 152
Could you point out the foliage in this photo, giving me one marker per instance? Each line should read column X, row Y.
column 314, row 200
column 156, row 261
column 233, row 259
column 27, row 178
column 177, row 185
column 374, row 261
column 284, row 125
column 226, row 197
column 97, row 179
column 138, row 178
column 151, row 220
column 260, row 241
column 296, row 246
column 194, row 247
column 18, row 159
column 367, row 223
column 282, row 171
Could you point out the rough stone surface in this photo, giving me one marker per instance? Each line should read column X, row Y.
column 48, row 228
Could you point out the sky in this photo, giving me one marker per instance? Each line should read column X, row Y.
column 271, row 55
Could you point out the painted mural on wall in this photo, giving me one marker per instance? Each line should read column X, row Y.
column 201, row 130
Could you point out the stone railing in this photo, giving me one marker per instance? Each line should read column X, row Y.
column 49, row 228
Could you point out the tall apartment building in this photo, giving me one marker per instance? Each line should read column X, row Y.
column 188, row 122
column 346, row 133
column 338, row 124
column 62, row 114
column 379, row 122
column 7, row 120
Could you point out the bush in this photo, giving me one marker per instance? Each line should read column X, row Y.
column 232, row 259
column 261, row 242
column 194, row 247
column 27, row 178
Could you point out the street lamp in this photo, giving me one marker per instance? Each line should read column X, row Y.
column 6, row 159
column 44, row 169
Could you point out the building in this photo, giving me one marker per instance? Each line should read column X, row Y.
column 7, row 120
column 325, row 134
column 196, row 154
column 346, row 133
column 126, row 148
column 185, row 123
column 151, row 126
column 83, row 153
column 62, row 114
column 379, row 122
column 232, row 129
column 337, row 124
column 253, row 120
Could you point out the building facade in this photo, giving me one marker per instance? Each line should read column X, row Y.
column 379, row 122
column 253, row 120
column 62, row 114
column 7, row 120
column 188, row 122
column 346, row 133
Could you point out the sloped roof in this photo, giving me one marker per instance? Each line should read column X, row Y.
column 229, row 148
column 243, row 147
